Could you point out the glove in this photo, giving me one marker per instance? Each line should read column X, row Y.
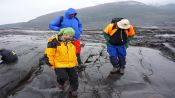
column 80, row 68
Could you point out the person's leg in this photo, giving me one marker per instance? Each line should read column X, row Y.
column 62, row 78
column 113, row 56
column 122, row 58
column 73, row 78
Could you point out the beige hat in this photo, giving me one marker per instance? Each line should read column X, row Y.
column 124, row 24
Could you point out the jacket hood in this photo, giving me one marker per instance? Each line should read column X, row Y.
column 70, row 11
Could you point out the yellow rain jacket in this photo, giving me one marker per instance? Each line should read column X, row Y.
column 61, row 54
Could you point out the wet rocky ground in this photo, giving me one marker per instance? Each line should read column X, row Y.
column 149, row 72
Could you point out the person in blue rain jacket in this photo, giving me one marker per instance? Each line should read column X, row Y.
column 70, row 20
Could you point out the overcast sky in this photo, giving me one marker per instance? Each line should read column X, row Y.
column 12, row 11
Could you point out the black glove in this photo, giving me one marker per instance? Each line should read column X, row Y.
column 80, row 68
column 44, row 60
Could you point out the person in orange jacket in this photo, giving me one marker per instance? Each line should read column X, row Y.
column 116, row 36
column 61, row 54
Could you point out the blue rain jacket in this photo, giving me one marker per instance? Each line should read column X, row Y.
column 67, row 22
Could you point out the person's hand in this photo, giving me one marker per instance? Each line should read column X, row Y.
column 80, row 68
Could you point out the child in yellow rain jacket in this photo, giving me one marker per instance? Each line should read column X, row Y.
column 61, row 54
column 117, row 35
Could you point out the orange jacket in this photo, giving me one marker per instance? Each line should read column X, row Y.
column 108, row 30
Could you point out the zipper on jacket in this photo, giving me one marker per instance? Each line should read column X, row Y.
column 65, row 43
column 121, row 36
column 68, row 54
column 67, row 49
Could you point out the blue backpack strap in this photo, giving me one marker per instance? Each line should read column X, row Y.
column 61, row 20
column 77, row 19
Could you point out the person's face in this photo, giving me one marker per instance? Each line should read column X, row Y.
column 72, row 15
column 67, row 36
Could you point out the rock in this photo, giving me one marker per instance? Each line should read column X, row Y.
column 12, row 75
column 148, row 73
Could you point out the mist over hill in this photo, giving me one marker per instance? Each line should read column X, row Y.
column 96, row 17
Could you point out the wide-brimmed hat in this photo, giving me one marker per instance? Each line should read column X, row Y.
column 124, row 24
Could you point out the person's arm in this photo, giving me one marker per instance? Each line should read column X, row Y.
column 106, row 31
column 131, row 31
column 131, row 34
column 106, row 36
column 50, row 51
column 79, row 25
column 55, row 24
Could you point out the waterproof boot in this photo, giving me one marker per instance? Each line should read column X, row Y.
column 61, row 88
column 74, row 93
column 65, row 87
column 122, row 70
column 1, row 61
column 115, row 70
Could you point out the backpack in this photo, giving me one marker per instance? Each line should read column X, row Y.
column 114, row 21
column 8, row 56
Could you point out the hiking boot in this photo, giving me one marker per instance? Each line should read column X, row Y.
column 1, row 61
column 122, row 71
column 74, row 93
column 115, row 70
column 64, row 87
column 60, row 87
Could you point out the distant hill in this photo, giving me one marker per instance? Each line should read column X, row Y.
column 168, row 7
column 98, row 16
